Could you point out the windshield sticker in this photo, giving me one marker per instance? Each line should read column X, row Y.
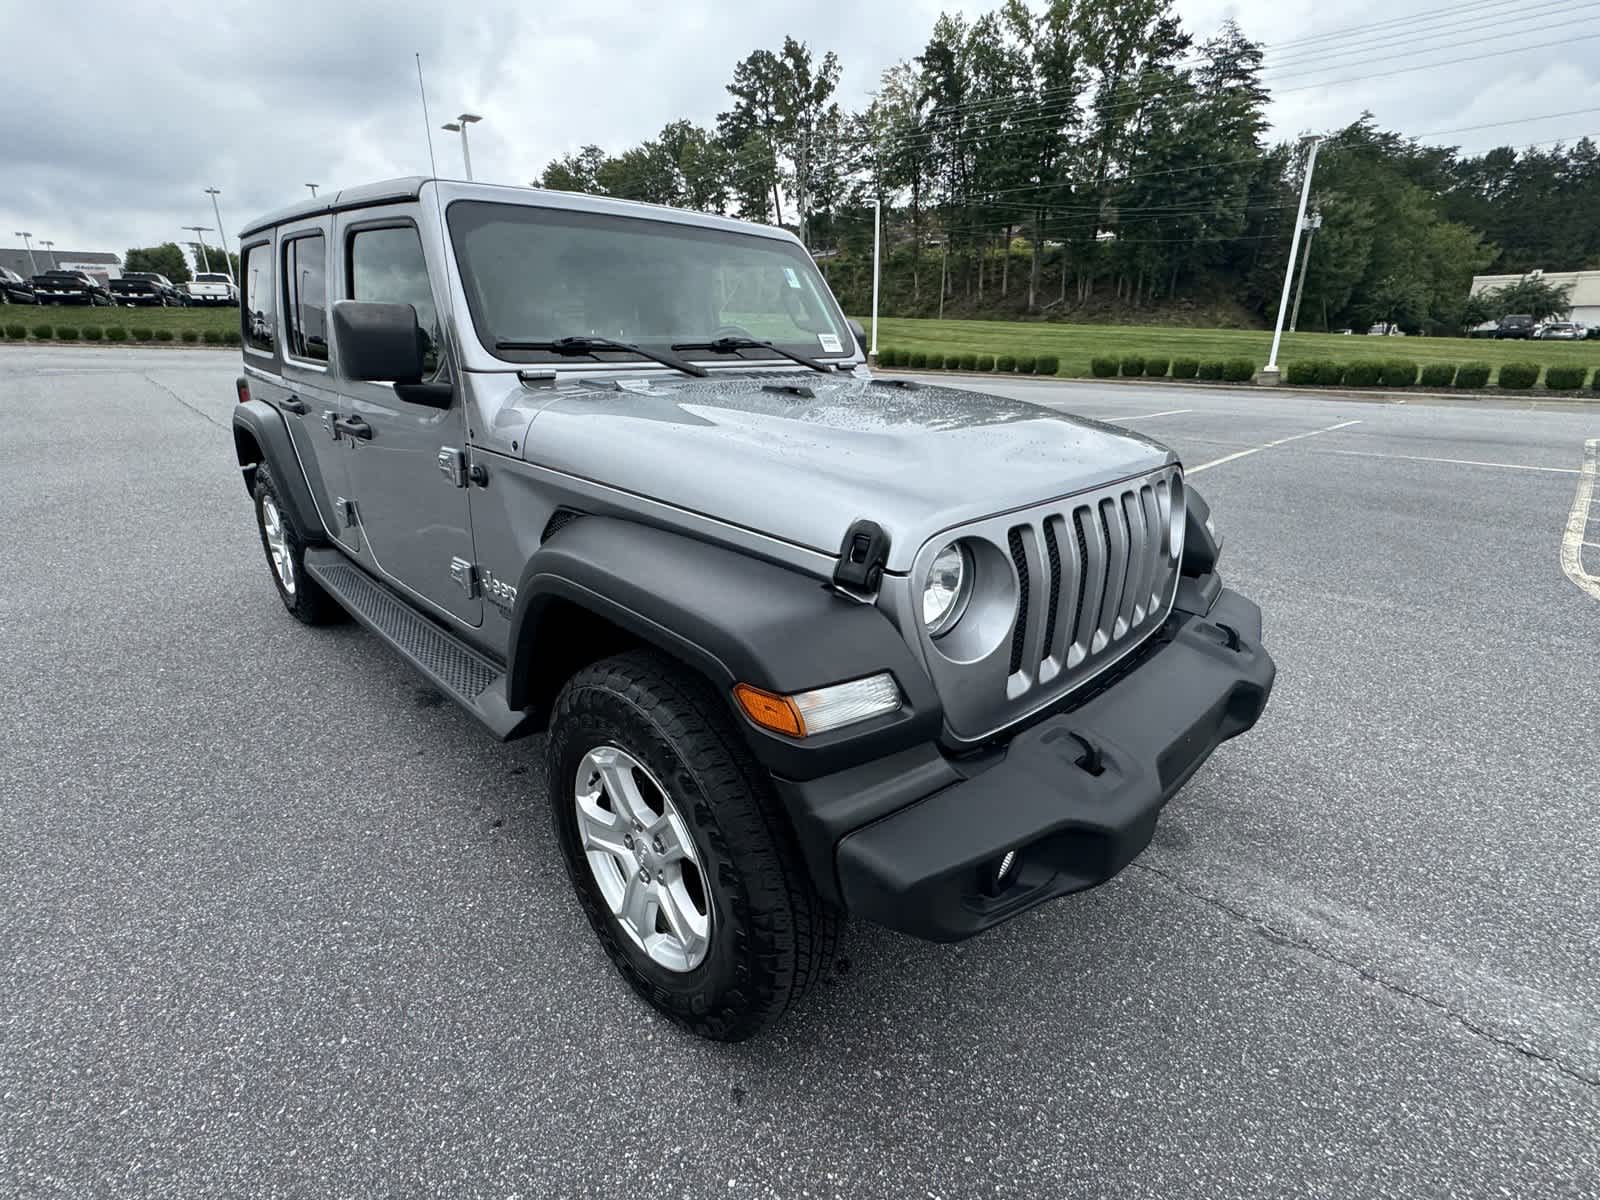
column 830, row 343
column 794, row 280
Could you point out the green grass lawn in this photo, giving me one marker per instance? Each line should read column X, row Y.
column 80, row 317
column 1075, row 345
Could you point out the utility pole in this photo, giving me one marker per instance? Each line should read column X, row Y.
column 944, row 268
column 313, row 187
column 877, row 238
column 33, row 267
column 1270, row 373
column 50, row 248
column 227, row 259
column 459, row 125
column 1313, row 223
column 198, row 230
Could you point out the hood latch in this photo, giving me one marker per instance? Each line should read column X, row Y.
column 862, row 556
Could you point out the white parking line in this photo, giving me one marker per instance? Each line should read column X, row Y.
column 1171, row 412
column 1228, row 458
column 1572, row 542
column 1458, row 462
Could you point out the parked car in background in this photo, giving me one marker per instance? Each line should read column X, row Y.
column 146, row 287
column 211, row 287
column 1560, row 331
column 1386, row 329
column 71, row 287
column 143, row 289
column 1515, row 326
column 14, row 289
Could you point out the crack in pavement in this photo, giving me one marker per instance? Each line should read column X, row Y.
column 201, row 413
column 1274, row 934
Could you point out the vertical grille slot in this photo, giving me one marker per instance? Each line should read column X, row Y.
column 1020, row 633
column 1053, row 552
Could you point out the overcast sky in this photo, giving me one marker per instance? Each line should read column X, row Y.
column 118, row 115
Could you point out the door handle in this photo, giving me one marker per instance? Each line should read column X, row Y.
column 295, row 405
column 354, row 427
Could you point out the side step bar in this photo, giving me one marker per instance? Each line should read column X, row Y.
column 456, row 669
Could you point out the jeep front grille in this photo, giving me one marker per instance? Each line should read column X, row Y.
column 1117, row 580
column 1094, row 575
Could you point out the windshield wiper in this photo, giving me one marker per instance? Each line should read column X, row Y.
column 588, row 345
column 732, row 345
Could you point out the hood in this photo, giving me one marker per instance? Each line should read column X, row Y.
column 760, row 453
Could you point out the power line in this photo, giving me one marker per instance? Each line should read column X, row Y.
column 1550, row 8
column 1449, row 62
column 1117, row 180
column 1540, row 7
column 1048, row 116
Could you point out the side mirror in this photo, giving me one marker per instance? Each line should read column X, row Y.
column 378, row 342
column 860, row 333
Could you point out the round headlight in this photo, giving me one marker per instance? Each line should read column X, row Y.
column 945, row 591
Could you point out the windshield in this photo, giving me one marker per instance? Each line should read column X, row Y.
column 537, row 274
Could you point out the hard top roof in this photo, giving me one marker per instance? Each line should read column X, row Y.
column 410, row 187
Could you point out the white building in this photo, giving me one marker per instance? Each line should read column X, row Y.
column 1584, row 290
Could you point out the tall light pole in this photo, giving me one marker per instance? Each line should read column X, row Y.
column 1313, row 223
column 197, row 230
column 459, row 125
column 227, row 259
column 50, row 248
column 877, row 239
column 313, row 188
column 1270, row 373
column 33, row 267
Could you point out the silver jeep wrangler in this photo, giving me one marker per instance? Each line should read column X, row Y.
column 804, row 641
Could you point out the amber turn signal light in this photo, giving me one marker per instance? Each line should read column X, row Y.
column 777, row 713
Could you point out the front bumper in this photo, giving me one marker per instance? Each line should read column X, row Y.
column 1076, row 796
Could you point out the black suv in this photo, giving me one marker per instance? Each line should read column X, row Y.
column 1516, row 326
column 71, row 287
column 14, row 289
column 146, row 287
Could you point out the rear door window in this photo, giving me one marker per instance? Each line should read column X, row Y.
column 257, row 305
column 305, row 292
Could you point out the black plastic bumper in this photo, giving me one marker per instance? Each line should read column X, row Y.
column 1076, row 796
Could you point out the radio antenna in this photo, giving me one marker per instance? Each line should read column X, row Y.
column 427, row 125
column 447, row 327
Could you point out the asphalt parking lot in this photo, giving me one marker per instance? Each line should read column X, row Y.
column 277, row 921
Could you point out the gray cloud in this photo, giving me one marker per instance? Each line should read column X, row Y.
column 109, row 140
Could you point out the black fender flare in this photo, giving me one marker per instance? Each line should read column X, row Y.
column 731, row 617
column 257, row 424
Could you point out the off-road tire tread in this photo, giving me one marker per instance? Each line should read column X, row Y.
column 309, row 605
column 795, row 933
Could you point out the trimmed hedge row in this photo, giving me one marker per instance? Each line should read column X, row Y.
column 1129, row 366
column 115, row 333
column 1401, row 374
column 1392, row 373
column 1027, row 364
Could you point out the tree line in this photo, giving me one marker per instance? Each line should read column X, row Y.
column 1093, row 158
column 168, row 259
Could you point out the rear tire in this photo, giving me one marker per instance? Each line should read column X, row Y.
column 284, row 543
column 768, row 937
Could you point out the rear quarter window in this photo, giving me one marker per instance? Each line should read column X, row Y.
column 256, row 308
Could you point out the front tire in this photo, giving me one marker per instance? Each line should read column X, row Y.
column 673, row 839
column 284, row 543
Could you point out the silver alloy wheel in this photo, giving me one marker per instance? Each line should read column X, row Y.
column 277, row 543
column 642, row 858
